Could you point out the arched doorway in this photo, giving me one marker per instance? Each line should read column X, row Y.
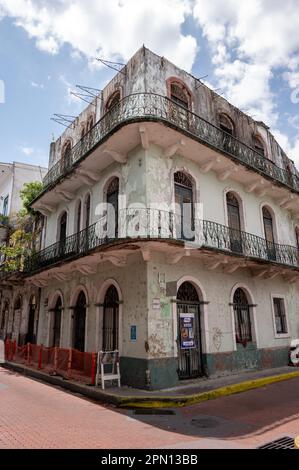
column 183, row 190
column 234, row 222
column 111, row 320
column 16, row 319
column 80, row 322
column 31, row 337
column 189, row 332
column 269, row 233
column 112, row 208
column 4, row 320
column 242, row 317
column 57, row 323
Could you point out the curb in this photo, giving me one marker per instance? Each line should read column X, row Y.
column 125, row 401
column 180, row 401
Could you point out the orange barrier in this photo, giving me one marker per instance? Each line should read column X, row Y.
column 69, row 363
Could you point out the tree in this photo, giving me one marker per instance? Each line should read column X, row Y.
column 28, row 193
column 25, row 231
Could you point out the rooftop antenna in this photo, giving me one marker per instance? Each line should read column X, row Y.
column 64, row 119
column 89, row 95
column 199, row 83
column 118, row 66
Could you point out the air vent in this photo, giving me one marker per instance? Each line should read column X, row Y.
column 283, row 443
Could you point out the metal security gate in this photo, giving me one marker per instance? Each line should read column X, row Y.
column 111, row 320
column 190, row 359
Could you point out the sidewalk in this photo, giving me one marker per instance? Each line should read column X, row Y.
column 187, row 393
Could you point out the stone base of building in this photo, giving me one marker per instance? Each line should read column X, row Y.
column 156, row 374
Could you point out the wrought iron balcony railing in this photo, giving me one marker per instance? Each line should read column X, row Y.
column 153, row 107
column 153, row 224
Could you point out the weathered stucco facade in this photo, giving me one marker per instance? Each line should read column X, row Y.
column 163, row 144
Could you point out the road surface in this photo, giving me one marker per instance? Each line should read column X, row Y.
column 34, row 415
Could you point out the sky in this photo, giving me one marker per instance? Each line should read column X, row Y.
column 248, row 50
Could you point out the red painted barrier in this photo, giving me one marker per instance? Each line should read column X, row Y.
column 69, row 363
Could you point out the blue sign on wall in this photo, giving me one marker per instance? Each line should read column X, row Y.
column 133, row 332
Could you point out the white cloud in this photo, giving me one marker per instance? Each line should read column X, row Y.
column 262, row 39
column 37, row 85
column 114, row 30
column 27, row 150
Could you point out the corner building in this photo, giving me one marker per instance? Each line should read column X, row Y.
column 167, row 153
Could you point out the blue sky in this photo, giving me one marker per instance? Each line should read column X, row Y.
column 250, row 52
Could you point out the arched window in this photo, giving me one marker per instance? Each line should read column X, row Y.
column 80, row 322
column 113, row 100
column 226, row 124
column 78, row 216
column 179, row 95
column 190, row 363
column 297, row 237
column 90, row 123
column 16, row 320
column 31, row 336
column 62, row 226
column 269, row 233
column 187, row 293
column 234, row 222
column 87, row 211
column 258, row 145
column 112, row 207
column 111, row 320
column 57, row 322
column 4, row 319
column 242, row 317
column 66, row 149
column 183, row 189
column 83, row 132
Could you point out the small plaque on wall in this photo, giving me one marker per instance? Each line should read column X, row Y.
column 156, row 305
column 171, row 289
column 133, row 332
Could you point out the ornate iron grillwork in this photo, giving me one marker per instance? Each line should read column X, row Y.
column 150, row 106
column 182, row 179
column 155, row 224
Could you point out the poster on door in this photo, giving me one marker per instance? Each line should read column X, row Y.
column 187, row 330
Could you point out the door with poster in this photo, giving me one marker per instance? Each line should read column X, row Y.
column 189, row 333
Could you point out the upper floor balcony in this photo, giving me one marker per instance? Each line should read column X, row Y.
column 150, row 107
column 137, row 228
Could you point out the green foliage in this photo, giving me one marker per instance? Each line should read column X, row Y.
column 28, row 193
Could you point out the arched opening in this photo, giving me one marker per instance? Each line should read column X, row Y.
column 111, row 320
column 4, row 320
column 269, row 233
column 57, row 314
column 258, row 145
column 226, row 124
column 31, row 336
column 87, row 211
column 179, row 94
column 189, row 332
column 297, row 237
column 112, row 208
column 16, row 319
column 234, row 222
column 79, row 322
column 184, row 207
column 66, row 155
column 62, row 226
column 78, row 217
column 242, row 317
column 113, row 100
column 90, row 123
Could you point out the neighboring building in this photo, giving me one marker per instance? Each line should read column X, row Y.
column 13, row 176
column 197, row 272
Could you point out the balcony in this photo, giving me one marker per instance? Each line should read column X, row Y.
column 155, row 108
column 140, row 225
